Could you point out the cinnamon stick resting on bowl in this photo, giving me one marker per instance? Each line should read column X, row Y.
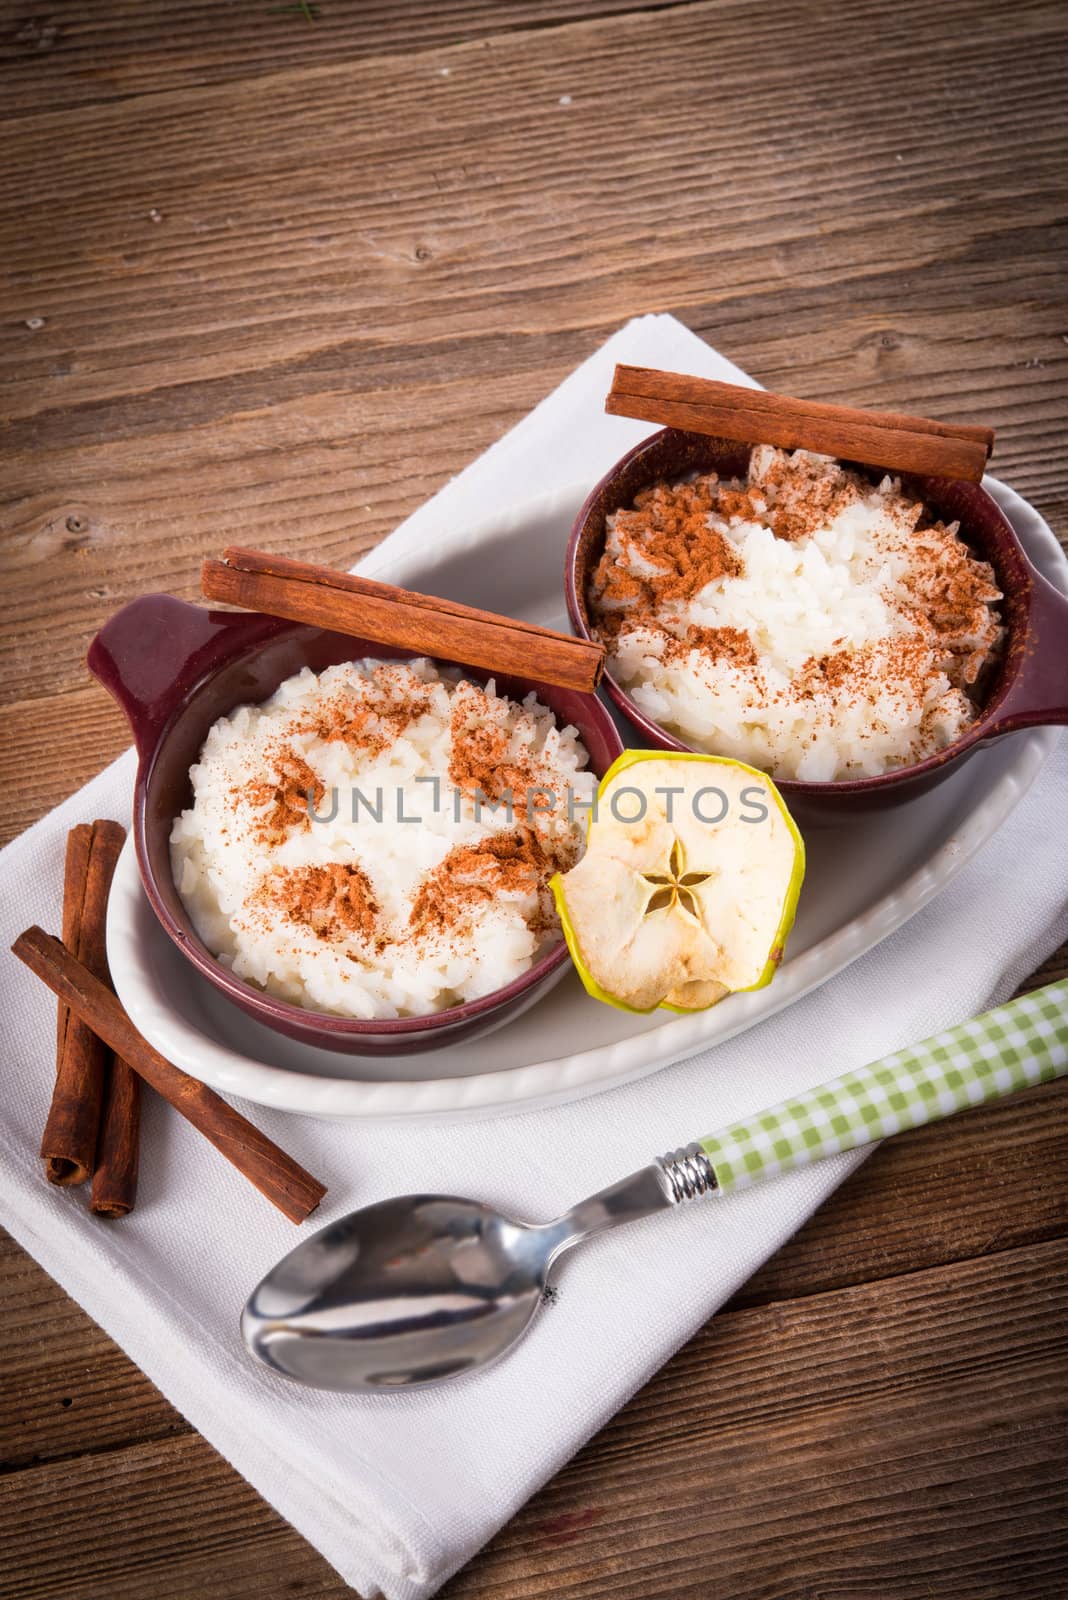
column 427, row 625
column 295, row 1192
column 753, row 416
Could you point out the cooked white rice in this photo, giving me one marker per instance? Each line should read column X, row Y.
column 248, row 836
column 863, row 590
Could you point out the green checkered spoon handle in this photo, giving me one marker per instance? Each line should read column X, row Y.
column 425, row 1287
column 997, row 1053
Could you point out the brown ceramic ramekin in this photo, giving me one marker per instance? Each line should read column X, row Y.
column 174, row 668
column 1030, row 684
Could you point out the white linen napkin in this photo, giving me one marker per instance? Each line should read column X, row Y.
column 399, row 1491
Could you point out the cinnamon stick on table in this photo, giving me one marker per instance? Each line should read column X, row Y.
column 752, row 416
column 286, row 1184
column 424, row 623
column 68, row 1144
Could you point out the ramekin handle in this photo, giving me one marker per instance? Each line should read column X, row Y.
column 1039, row 697
column 151, row 653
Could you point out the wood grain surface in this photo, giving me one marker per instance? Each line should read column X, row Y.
column 273, row 281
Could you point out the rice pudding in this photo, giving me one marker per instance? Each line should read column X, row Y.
column 376, row 840
column 806, row 620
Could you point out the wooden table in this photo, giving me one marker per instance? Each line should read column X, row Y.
column 282, row 277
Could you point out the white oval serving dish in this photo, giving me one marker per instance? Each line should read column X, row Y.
column 865, row 879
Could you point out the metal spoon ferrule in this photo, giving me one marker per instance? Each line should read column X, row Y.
column 689, row 1173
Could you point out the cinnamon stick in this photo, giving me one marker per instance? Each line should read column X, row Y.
column 277, row 1176
column 752, row 416
column 115, row 1175
column 424, row 623
column 75, row 872
column 68, row 1144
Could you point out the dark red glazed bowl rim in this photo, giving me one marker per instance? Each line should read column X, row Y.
column 240, row 636
column 1019, row 580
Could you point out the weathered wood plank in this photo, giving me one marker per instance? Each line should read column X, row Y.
column 80, row 53
column 94, row 732
column 168, row 1519
column 117, row 531
column 250, row 196
column 892, row 1440
column 68, row 1387
column 366, row 301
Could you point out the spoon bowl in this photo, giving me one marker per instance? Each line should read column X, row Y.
column 421, row 1288
column 407, row 1292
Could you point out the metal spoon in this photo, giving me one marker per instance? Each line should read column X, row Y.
column 425, row 1287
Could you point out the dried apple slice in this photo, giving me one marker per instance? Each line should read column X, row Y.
column 688, row 886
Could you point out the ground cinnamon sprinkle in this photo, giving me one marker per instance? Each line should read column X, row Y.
column 336, row 900
column 367, row 724
column 518, row 861
column 478, row 764
column 793, row 495
column 669, row 530
column 860, row 673
column 286, row 794
column 370, row 723
column 719, row 644
column 953, row 591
